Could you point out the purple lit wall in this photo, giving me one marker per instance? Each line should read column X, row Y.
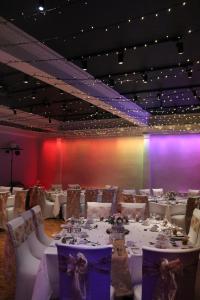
column 175, row 161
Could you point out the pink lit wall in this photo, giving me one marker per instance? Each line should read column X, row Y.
column 92, row 162
column 25, row 166
column 175, row 161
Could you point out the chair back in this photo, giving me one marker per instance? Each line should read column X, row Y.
column 20, row 202
column 145, row 192
column 194, row 229
column 73, row 203
column 108, row 195
column 98, row 210
column 133, row 210
column 39, row 225
column 84, row 272
column 157, row 209
column 3, row 211
column 177, row 209
column 126, row 198
column 143, row 199
column 192, row 203
column 74, row 186
column 129, row 192
column 158, row 192
column 5, row 189
column 16, row 188
column 169, row 274
column 56, row 187
column 90, row 196
column 193, row 193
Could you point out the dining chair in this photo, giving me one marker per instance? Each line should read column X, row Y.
column 145, row 192
column 126, row 198
column 158, row 192
column 73, row 203
column 192, row 203
column 133, row 210
column 108, row 195
column 157, row 209
column 143, row 199
column 167, row 274
column 3, row 211
column 90, row 196
column 98, row 210
column 19, row 260
column 20, row 202
column 74, row 186
column 46, row 205
column 39, row 226
column 85, row 272
column 36, row 247
column 194, row 230
column 177, row 214
column 16, row 189
column 192, row 193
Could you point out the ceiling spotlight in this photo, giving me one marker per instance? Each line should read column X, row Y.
column 194, row 92
column 41, row 6
column 189, row 73
column 145, row 78
column 84, row 64
column 120, row 57
column 158, row 96
column 180, row 48
column 26, row 79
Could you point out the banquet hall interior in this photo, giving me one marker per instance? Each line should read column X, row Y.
column 99, row 150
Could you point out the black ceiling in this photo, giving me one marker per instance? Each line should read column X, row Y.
column 154, row 75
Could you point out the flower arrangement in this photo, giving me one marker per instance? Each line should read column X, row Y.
column 117, row 219
column 171, row 195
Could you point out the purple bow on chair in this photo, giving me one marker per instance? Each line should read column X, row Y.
column 77, row 267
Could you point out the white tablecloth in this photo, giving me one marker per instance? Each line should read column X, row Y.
column 47, row 281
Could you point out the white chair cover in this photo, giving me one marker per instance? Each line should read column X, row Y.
column 5, row 189
column 157, row 209
column 177, row 214
column 192, row 193
column 36, row 247
column 133, row 210
column 169, row 274
column 129, row 192
column 26, row 264
column 158, row 192
column 194, row 230
column 16, row 189
column 85, row 272
column 39, row 225
column 145, row 192
column 74, row 186
column 56, row 187
column 98, row 210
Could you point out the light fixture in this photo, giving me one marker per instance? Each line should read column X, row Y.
column 120, row 57
column 84, row 64
column 41, row 6
column 145, row 77
column 180, row 48
column 158, row 96
column 26, row 79
column 194, row 92
column 189, row 73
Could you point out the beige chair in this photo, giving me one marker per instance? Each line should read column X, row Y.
column 3, row 211
column 90, row 196
column 158, row 192
column 193, row 193
column 133, row 210
column 177, row 214
column 194, row 230
column 157, row 209
column 56, row 187
column 108, row 195
column 192, row 203
column 73, row 203
column 20, row 202
column 143, row 199
column 98, row 210
column 74, row 186
column 145, row 192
